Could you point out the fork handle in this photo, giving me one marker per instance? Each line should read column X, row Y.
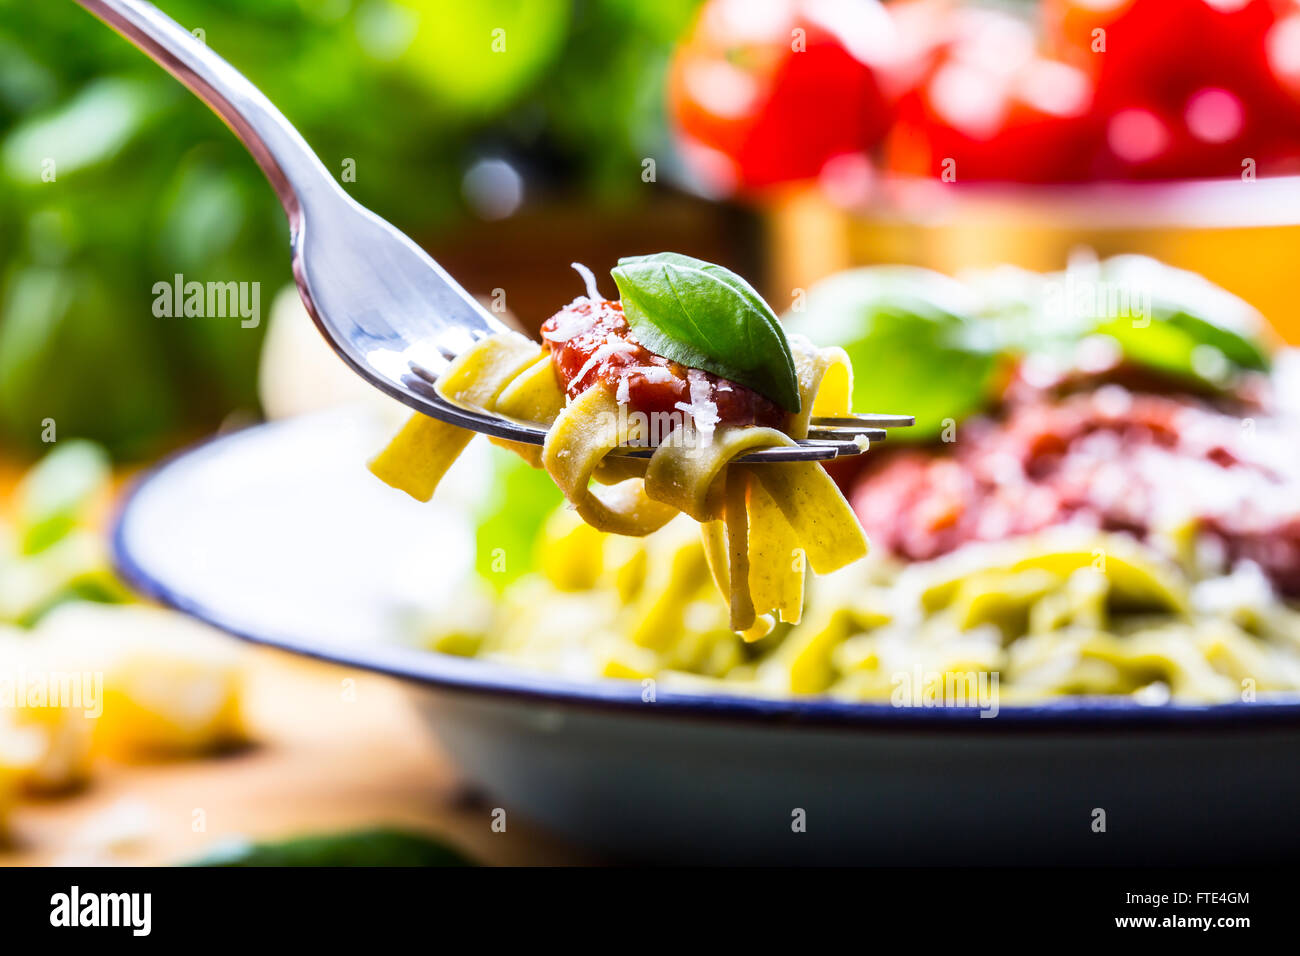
column 288, row 162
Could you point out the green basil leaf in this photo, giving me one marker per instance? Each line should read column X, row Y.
column 913, row 339
column 1186, row 312
column 704, row 316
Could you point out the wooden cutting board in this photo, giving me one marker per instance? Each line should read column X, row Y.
column 325, row 761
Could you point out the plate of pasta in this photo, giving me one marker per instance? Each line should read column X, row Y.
column 1056, row 621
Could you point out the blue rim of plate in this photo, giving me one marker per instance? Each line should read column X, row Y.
column 487, row 678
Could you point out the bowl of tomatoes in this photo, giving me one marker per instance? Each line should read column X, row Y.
column 953, row 134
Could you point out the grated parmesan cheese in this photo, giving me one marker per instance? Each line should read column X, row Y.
column 702, row 409
column 593, row 293
column 653, row 373
column 616, row 347
column 569, row 323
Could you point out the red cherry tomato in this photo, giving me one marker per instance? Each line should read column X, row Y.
column 767, row 92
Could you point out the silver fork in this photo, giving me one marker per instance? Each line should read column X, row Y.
column 390, row 312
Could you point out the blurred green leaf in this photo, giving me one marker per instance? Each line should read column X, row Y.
column 88, row 129
column 915, row 346
column 478, row 57
column 376, row 847
column 627, row 43
column 52, row 497
column 24, row 83
column 925, row 344
column 149, row 183
column 67, row 354
column 203, row 211
column 75, row 567
column 1187, row 315
column 512, row 515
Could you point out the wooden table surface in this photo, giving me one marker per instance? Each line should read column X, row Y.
column 326, row 761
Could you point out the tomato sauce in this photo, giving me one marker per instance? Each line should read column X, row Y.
column 591, row 342
column 1112, row 459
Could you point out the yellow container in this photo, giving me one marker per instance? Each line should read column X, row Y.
column 1241, row 234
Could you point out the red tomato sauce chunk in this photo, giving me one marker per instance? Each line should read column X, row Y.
column 591, row 342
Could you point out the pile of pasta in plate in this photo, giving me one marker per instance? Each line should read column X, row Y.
column 1066, row 611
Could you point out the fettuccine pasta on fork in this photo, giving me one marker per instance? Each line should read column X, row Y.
column 693, row 366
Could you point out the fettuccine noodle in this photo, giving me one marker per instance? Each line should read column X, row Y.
column 760, row 522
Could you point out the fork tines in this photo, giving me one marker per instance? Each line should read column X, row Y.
column 841, row 434
column 866, row 421
column 827, row 437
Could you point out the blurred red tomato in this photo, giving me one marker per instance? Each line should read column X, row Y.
column 1161, row 50
column 1134, row 48
column 987, row 107
column 1142, row 141
column 767, row 91
column 1282, row 53
column 1184, row 86
column 1282, row 59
